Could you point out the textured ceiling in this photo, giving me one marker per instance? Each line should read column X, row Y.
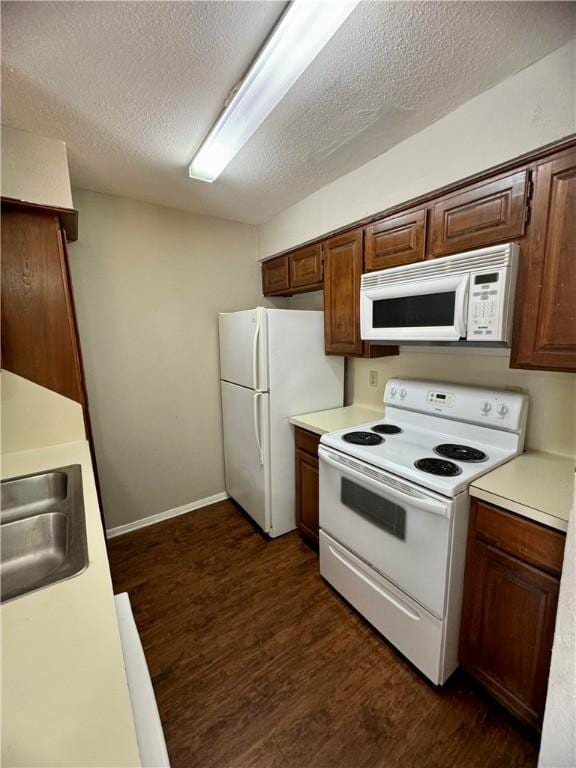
column 133, row 87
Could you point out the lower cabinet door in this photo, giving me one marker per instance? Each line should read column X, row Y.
column 507, row 628
column 307, row 494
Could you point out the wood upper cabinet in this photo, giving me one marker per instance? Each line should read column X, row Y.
column 301, row 270
column 39, row 338
column 343, row 259
column 482, row 214
column 545, row 322
column 509, row 608
column 499, row 208
column 395, row 240
column 307, row 485
column 342, row 273
column 275, row 276
column 306, row 269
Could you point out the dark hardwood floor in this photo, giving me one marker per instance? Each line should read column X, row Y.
column 257, row 663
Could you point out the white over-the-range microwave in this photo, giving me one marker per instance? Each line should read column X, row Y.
column 466, row 298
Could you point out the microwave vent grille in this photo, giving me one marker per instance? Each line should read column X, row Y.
column 485, row 258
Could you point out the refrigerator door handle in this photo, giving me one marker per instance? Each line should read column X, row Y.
column 255, row 351
column 257, row 396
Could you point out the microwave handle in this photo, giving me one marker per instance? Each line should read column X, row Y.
column 380, row 486
column 461, row 308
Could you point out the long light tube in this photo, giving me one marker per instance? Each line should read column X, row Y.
column 299, row 37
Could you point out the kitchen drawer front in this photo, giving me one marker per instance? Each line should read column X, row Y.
column 306, row 267
column 275, row 276
column 401, row 620
column 306, row 441
column 483, row 214
column 530, row 542
column 395, row 240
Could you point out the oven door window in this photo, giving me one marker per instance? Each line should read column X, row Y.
column 427, row 310
column 385, row 514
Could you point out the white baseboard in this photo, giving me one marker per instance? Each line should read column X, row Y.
column 119, row 530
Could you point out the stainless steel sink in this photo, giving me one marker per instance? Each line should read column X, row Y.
column 42, row 530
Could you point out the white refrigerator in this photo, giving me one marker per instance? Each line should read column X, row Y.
column 272, row 367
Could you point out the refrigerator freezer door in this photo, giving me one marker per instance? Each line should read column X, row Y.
column 243, row 348
column 247, row 451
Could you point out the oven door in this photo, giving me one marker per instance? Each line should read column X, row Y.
column 419, row 310
column 397, row 528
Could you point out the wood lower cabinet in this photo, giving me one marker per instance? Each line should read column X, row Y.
column 396, row 240
column 276, row 276
column 509, row 608
column 489, row 212
column 545, row 327
column 307, row 486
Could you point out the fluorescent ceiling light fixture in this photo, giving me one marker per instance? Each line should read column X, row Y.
column 299, row 37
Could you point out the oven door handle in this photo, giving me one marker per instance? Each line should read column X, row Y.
column 383, row 488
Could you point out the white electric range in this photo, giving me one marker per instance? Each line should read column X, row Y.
column 394, row 508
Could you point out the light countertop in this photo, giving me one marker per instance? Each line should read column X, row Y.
column 65, row 699
column 322, row 422
column 536, row 485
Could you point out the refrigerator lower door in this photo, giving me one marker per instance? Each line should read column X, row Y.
column 243, row 345
column 247, row 450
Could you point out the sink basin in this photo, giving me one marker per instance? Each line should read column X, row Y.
column 42, row 531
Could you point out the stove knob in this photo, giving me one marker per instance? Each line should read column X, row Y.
column 502, row 409
column 486, row 407
column 403, row 393
column 393, row 392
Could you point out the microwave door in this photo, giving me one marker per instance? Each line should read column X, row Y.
column 420, row 310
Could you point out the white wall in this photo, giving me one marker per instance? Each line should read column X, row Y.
column 530, row 109
column 148, row 284
column 35, row 169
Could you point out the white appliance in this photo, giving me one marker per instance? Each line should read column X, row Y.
column 272, row 367
column 149, row 733
column 464, row 298
column 394, row 509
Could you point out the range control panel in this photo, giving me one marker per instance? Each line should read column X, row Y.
column 489, row 407
column 441, row 399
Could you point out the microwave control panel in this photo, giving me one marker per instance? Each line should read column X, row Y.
column 485, row 306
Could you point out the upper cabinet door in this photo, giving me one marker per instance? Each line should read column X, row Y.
column 545, row 328
column 483, row 214
column 306, row 267
column 342, row 273
column 395, row 240
column 275, row 276
column 39, row 339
